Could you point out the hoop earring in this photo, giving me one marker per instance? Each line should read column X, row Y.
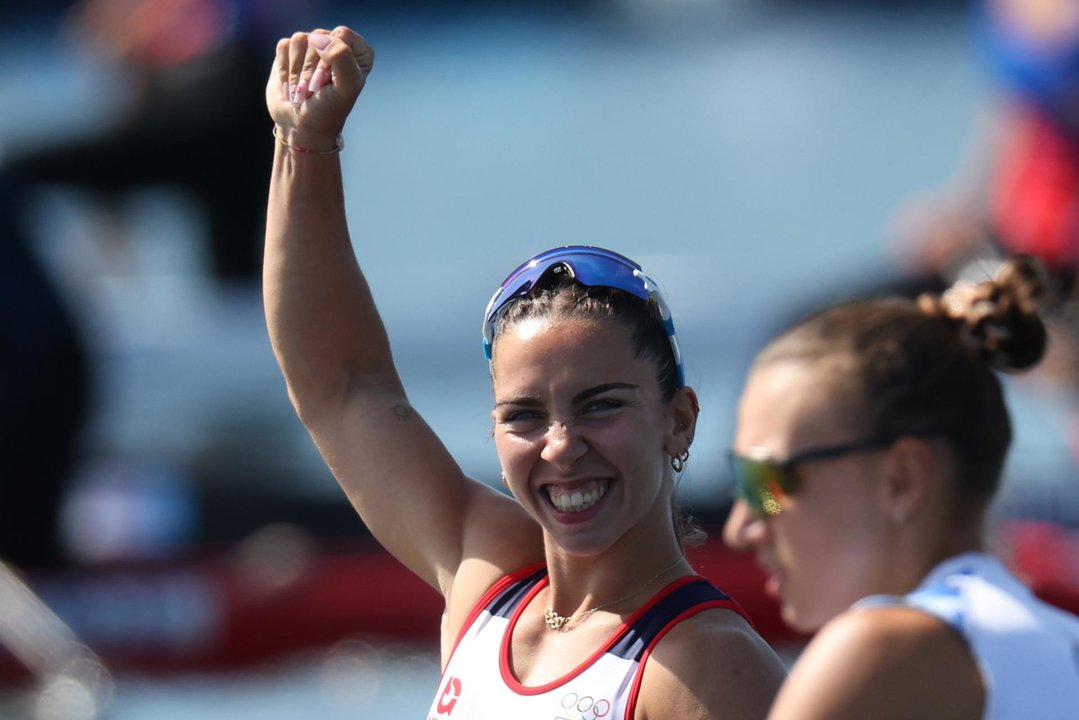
column 678, row 462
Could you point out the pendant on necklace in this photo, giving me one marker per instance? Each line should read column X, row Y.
column 553, row 619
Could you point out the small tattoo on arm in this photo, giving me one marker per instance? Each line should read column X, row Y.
column 403, row 412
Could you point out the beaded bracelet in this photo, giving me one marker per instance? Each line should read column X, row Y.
column 296, row 148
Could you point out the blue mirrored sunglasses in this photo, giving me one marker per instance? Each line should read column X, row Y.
column 590, row 266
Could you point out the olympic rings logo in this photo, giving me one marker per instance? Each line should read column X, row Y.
column 583, row 707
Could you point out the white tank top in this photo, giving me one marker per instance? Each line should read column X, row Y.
column 1026, row 649
column 478, row 682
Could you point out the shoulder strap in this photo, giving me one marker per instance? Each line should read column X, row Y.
column 505, row 602
column 677, row 602
column 502, row 597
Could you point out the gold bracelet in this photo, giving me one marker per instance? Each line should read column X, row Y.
column 296, row 148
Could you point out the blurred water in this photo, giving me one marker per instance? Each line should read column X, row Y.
column 352, row 681
column 356, row 680
column 749, row 158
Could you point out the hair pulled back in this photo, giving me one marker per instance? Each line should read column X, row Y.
column 927, row 367
column 564, row 298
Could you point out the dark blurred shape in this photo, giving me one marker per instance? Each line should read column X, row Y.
column 195, row 118
column 44, row 395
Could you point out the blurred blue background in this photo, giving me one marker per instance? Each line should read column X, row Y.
column 752, row 156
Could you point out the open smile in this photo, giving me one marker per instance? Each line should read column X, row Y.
column 577, row 497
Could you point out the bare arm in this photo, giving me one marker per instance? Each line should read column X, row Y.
column 883, row 663
column 329, row 339
column 710, row 666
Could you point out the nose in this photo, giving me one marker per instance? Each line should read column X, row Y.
column 562, row 446
column 744, row 529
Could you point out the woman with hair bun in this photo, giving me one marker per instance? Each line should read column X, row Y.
column 870, row 443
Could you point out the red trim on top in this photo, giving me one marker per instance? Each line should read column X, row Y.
column 487, row 597
column 490, row 595
column 728, row 604
column 504, row 654
column 732, row 604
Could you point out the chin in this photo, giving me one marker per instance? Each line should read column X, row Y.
column 581, row 545
column 802, row 621
column 580, row 548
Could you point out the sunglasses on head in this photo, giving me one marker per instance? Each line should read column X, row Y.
column 591, row 267
column 762, row 481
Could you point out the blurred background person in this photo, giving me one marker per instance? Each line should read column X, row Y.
column 161, row 58
column 172, row 56
column 870, row 445
column 168, row 56
column 1019, row 189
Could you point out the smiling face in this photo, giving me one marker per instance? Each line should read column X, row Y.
column 829, row 546
column 582, row 432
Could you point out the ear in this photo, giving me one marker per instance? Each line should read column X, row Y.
column 912, row 476
column 681, row 421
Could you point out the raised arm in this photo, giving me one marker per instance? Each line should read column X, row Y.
column 332, row 347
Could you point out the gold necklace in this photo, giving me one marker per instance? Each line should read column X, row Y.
column 564, row 623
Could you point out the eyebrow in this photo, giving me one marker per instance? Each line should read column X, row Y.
column 586, row 394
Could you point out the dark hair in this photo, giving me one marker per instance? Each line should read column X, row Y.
column 927, row 367
column 561, row 296
column 557, row 295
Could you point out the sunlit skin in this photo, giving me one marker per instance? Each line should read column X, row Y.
column 858, row 525
column 576, row 411
column 833, row 543
column 574, row 408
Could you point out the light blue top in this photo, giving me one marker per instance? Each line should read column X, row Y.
column 1027, row 650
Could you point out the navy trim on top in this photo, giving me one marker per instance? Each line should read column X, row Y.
column 506, row 601
column 637, row 637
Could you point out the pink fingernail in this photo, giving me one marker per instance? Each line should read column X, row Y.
column 301, row 94
column 292, row 95
column 319, row 40
column 316, row 80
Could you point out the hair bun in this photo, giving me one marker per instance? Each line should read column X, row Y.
column 998, row 318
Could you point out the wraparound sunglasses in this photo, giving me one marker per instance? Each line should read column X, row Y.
column 761, row 481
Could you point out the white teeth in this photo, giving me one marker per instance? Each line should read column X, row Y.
column 579, row 499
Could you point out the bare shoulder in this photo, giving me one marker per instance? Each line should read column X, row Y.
column 500, row 538
column 889, row 662
column 710, row 665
